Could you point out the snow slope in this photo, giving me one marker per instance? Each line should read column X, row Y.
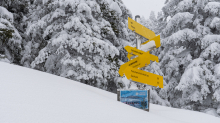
column 30, row 96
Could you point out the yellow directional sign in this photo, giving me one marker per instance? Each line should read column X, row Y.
column 131, row 63
column 140, row 29
column 139, row 62
column 144, row 77
column 131, row 68
column 133, row 51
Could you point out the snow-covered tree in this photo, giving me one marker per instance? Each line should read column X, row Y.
column 10, row 39
column 154, row 23
column 79, row 40
column 18, row 8
column 190, row 54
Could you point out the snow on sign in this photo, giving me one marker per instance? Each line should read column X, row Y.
column 143, row 57
column 136, row 98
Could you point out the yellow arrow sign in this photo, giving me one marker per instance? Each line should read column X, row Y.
column 135, row 63
column 140, row 29
column 146, row 55
column 144, row 77
column 139, row 62
column 131, row 63
column 135, row 51
column 130, row 69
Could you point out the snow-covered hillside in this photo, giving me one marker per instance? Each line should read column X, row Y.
column 30, row 96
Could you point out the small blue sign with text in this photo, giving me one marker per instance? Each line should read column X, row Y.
column 136, row 98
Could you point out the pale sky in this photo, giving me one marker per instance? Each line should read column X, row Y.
column 144, row 7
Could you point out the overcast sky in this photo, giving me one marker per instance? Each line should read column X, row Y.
column 144, row 7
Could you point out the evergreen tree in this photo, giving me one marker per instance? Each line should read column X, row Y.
column 10, row 39
column 18, row 9
column 190, row 54
column 79, row 40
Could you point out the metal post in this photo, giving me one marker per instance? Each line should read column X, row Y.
column 118, row 94
column 138, row 42
column 138, row 38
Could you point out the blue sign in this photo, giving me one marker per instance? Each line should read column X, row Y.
column 136, row 98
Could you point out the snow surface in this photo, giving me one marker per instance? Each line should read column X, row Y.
column 4, row 59
column 30, row 96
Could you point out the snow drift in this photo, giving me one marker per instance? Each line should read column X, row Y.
column 30, row 96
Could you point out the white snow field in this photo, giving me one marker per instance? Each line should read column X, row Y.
column 30, row 96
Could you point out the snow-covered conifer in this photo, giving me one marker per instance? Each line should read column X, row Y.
column 10, row 39
column 190, row 54
column 77, row 39
column 17, row 10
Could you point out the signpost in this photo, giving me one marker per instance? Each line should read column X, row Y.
column 139, row 59
column 131, row 69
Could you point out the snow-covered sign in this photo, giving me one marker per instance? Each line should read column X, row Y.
column 131, row 68
column 137, row 98
column 148, row 45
